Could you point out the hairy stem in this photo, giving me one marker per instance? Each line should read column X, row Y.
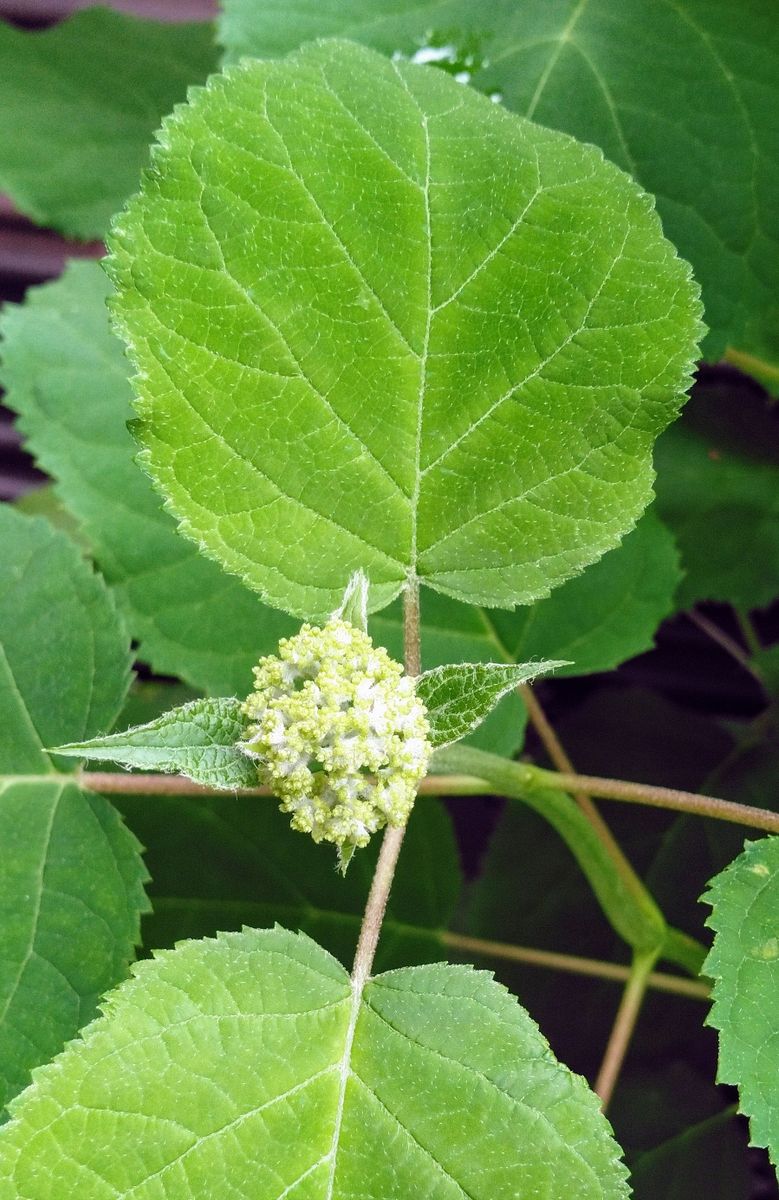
column 662, row 797
column 573, row 964
column 393, row 837
column 142, row 784
column 624, row 1026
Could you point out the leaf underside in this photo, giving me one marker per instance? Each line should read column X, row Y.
column 459, row 696
column 348, row 283
column 434, row 1083
column 744, row 963
column 198, row 739
column 669, row 91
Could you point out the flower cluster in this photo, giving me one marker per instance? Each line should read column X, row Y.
column 339, row 733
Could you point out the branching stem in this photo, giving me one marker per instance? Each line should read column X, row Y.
column 662, row 797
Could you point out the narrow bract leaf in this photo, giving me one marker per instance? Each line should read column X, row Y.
column 79, row 104
column 346, row 285
column 197, row 740
column 431, row 1082
column 744, row 964
column 458, row 697
column 670, row 92
column 354, row 606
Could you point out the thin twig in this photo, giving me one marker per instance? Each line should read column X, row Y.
column 624, row 1027
column 663, row 797
column 748, row 632
column 750, row 364
column 573, row 963
column 725, row 641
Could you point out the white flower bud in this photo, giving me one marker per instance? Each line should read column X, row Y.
column 339, row 733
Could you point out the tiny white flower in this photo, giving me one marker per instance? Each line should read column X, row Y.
column 345, row 752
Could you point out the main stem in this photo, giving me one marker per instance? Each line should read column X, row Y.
column 393, row 837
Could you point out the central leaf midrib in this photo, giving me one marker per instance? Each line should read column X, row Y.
column 423, row 360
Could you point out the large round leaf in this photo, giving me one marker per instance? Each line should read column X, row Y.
column 381, row 323
column 249, row 1067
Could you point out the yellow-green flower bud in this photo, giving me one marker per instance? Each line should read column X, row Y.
column 339, row 733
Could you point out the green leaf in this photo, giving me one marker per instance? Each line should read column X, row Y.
column 71, row 895
column 623, row 81
column 199, row 740
column 259, row 870
column 452, row 632
column 71, row 889
column 744, row 964
column 342, row 1094
column 605, row 616
column 458, row 697
column 66, row 376
column 718, row 490
column 383, row 317
column 708, row 1159
column 64, row 654
column 78, row 106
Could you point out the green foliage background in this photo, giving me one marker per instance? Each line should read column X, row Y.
column 682, row 97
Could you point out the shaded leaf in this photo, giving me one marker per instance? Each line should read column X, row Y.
column 64, row 654
column 71, row 889
column 342, row 1094
column 71, row 895
column 458, row 697
column 670, row 92
column 718, row 490
column 79, row 104
column 744, row 964
column 708, row 1159
column 382, row 318
column 66, row 376
column 198, row 740
column 605, row 616
column 223, row 863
